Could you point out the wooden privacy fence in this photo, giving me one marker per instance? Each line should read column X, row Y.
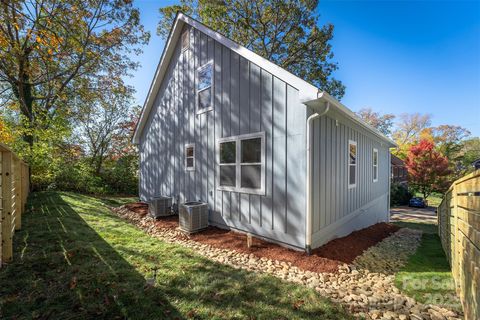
column 459, row 230
column 14, row 188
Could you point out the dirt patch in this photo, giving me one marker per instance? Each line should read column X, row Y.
column 324, row 259
column 346, row 249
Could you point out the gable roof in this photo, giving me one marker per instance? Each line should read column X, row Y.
column 307, row 91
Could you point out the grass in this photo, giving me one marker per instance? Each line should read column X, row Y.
column 433, row 199
column 427, row 277
column 73, row 259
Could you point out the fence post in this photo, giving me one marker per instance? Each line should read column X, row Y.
column 17, row 175
column 7, row 248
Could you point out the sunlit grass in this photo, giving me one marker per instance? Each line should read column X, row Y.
column 427, row 276
column 75, row 260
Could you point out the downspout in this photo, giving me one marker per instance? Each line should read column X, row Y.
column 308, row 239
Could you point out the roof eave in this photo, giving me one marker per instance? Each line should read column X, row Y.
column 325, row 97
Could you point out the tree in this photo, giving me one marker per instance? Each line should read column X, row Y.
column 382, row 123
column 469, row 153
column 449, row 139
column 102, row 116
column 285, row 32
column 409, row 131
column 427, row 168
column 50, row 48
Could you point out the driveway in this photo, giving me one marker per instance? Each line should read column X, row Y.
column 425, row 215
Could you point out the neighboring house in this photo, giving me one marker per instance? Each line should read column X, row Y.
column 259, row 145
column 476, row 164
column 399, row 170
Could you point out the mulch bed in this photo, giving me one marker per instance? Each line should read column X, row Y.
column 324, row 259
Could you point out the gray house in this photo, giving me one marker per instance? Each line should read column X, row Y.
column 270, row 153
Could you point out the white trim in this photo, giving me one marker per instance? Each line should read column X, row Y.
column 211, row 87
column 189, row 145
column 352, row 142
column 375, row 165
column 238, row 163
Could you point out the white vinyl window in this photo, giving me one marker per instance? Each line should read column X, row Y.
column 352, row 163
column 204, row 88
column 189, row 157
column 375, row 165
column 185, row 40
column 241, row 162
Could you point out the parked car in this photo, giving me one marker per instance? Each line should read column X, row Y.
column 417, row 202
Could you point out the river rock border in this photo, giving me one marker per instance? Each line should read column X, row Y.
column 365, row 294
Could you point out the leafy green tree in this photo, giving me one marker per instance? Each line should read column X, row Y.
column 49, row 49
column 382, row 123
column 285, row 32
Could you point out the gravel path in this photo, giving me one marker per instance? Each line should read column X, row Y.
column 365, row 294
column 389, row 255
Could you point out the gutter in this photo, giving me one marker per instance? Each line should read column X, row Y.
column 308, row 238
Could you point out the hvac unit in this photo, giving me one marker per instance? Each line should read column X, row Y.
column 193, row 216
column 160, row 207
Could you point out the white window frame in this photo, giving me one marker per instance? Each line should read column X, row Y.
column 197, row 97
column 186, row 34
column 375, row 165
column 238, row 164
column 351, row 142
column 189, row 145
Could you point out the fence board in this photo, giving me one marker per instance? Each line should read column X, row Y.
column 14, row 188
column 459, row 230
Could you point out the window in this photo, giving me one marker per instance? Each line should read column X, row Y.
column 375, row 165
column 190, row 157
column 185, row 40
column 242, row 163
column 352, row 163
column 204, row 88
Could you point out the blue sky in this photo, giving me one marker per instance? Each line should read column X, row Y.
column 393, row 56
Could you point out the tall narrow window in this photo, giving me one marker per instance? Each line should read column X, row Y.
column 185, row 40
column 204, row 88
column 189, row 157
column 352, row 164
column 242, row 163
column 375, row 165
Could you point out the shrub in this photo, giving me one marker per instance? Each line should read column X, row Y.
column 399, row 194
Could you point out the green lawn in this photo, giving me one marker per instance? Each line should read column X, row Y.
column 75, row 260
column 426, row 276
column 434, row 199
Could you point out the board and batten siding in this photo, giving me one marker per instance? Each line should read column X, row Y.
column 338, row 209
column 246, row 99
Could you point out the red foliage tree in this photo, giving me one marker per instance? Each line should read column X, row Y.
column 427, row 168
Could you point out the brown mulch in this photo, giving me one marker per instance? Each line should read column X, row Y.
column 327, row 258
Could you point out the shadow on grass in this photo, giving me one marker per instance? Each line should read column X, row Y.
column 75, row 260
